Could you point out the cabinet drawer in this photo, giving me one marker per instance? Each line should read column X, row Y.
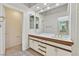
column 31, row 43
column 42, row 44
column 43, row 48
column 41, row 51
column 35, row 43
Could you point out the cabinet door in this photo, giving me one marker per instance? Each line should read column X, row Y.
column 51, row 51
column 31, row 44
column 35, row 45
column 61, row 52
column 42, row 48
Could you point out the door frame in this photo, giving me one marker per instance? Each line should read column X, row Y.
column 14, row 8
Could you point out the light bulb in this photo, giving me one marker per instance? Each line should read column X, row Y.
column 57, row 4
column 45, row 3
column 37, row 7
column 48, row 7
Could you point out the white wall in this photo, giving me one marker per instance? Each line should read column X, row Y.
column 25, row 29
column 75, row 29
column 2, row 31
column 77, row 15
column 50, row 19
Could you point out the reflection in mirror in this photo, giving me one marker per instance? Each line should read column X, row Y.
column 31, row 22
column 63, row 25
column 37, row 22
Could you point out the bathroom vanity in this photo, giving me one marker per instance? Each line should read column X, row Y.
column 50, row 45
column 56, row 21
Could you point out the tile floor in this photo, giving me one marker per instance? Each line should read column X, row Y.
column 16, row 51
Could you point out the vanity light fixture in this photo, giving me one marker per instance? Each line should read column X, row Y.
column 37, row 7
column 45, row 3
column 48, row 7
column 57, row 4
column 41, row 11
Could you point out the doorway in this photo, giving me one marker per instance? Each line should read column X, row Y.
column 13, row 42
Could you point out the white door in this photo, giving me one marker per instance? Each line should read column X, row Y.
column 13, row 28
column 2, row 37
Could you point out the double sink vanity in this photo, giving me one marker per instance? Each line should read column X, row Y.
column 50, row 44
column 55, row 30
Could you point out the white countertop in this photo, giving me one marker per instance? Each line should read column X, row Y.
column 50, row 35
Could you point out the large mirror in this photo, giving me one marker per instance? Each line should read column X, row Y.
column 37, row 22
column 31, row 22
column 63, row 25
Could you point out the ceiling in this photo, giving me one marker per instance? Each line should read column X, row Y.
column 30, row 4
column 40, row 7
